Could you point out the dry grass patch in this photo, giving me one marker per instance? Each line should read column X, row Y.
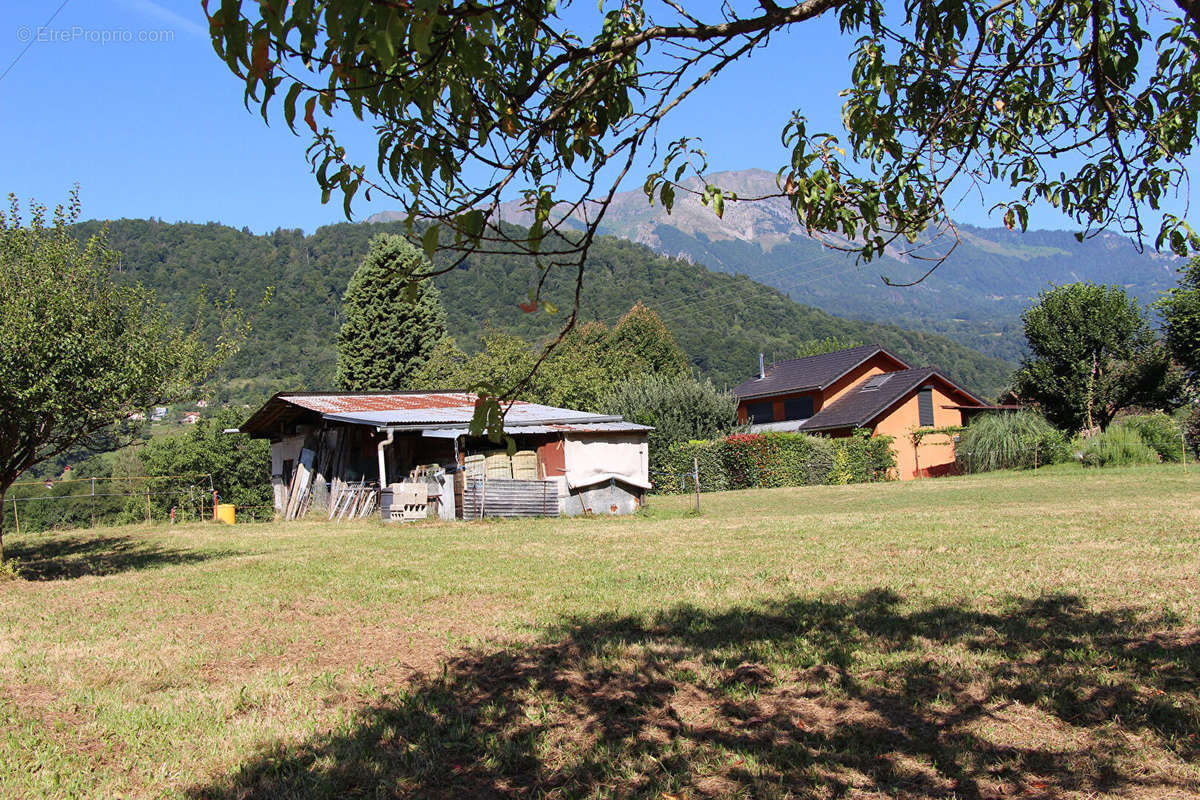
column 1006, row 635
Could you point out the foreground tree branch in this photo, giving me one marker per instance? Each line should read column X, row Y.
column 473, row 104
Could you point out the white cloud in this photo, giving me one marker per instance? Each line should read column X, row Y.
column 189, row 24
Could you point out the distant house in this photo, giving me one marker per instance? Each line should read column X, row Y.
column 159, row 413
column 862, row 387
column 191, row 418
column 350, row 453
column 201, row 404
column 136, row 416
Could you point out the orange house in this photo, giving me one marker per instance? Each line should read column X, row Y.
column 862, row 387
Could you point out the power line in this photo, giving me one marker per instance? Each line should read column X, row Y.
column 33, row 36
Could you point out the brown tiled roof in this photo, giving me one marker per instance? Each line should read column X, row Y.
column 811, row 373
column 871, row 397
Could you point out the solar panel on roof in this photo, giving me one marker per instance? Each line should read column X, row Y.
column 874, row 383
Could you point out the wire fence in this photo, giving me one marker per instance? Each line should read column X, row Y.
column 929, row 462
column 32, row 506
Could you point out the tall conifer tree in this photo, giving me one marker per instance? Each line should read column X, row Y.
column 387, row 334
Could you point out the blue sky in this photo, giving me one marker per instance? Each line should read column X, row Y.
column 127, row 98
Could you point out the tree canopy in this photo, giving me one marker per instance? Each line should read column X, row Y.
column 1092, row 354
column 592, row 360
column 77, row 353
column 1086, row 106
column 680, row 408
column 1180, row 309
column 391, row 326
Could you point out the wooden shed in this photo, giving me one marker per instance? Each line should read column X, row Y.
column 409, row 454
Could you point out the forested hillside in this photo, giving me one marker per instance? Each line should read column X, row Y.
column 976, row 296
column 721, row 321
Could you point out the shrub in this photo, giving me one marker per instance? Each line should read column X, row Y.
column 679, row 460
column 746, row 461
column 749, row 459
column 1191, row 430
column 1119, row 446
column 867, row 458
column 1010, row 441
column 680, row 408
column 1159, row 431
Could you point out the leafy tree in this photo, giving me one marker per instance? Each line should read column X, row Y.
column 77, row 353
column 1067, row 103
column 830, row 344
column 392, row 325
column 240, row 466
column 590, row 360
column 646, row 343
column 680, row 408
column 1092, row 354
column 1180, row 309
column 503, row 361
column 583, row 368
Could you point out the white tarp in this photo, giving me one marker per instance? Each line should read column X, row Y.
column 593, row 459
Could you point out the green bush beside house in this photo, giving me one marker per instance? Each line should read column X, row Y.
column 771, row 460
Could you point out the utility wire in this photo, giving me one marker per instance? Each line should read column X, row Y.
column 33, row 36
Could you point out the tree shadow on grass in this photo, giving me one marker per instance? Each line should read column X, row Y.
column 1042, row 698
column 52, row 557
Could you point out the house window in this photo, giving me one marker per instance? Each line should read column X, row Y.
column 925, row 406
column 760, row 412
column 798, row 408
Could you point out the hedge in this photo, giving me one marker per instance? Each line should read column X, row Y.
column 767, row 460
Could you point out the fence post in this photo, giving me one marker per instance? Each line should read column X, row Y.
column 696, row 480
column 16, row 518
column 93, row 502
column 1183, row 447
column 1035, row 455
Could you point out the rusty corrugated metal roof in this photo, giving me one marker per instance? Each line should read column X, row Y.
column 392, row 401
column 405, row 410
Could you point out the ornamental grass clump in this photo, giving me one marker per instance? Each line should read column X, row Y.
column 1160, row 432
column 1020, row 440
column 1119, row 446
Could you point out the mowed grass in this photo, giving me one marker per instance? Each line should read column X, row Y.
column 1026, row 635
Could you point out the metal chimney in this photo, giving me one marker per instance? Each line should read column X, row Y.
column 762, row 367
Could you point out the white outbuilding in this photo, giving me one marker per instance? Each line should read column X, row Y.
column 410, row 454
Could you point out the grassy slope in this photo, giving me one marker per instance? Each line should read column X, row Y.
column 977, row 637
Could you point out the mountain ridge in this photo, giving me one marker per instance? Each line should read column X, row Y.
column 976, row 296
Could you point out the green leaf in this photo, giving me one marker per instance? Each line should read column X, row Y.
column 429, row 241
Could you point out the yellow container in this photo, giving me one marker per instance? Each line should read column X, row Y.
column 226, row 513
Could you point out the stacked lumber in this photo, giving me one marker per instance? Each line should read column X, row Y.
column 319, row 483
column 353, row 500
column 299, row 493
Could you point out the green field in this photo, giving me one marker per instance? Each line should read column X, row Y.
column 1025, row 635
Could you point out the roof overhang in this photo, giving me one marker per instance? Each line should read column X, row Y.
column 887, row 409
column 867, row 356
column 439, row 414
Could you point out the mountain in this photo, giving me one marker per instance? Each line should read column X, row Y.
column 722, row 321
column 976, row 296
